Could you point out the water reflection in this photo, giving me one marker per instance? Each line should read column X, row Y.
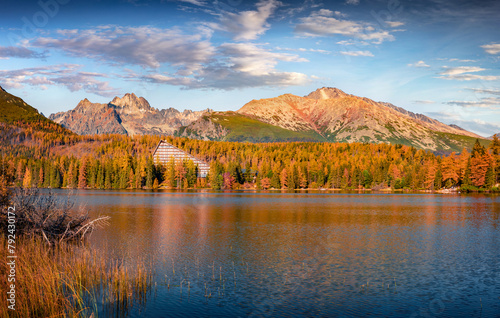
column 288, row 254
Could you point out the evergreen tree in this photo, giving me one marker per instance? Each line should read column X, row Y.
column 71, row 176
column 149, row 175
column 367, row 179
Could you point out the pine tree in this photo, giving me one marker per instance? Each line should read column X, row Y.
column 489, row 178
column 275, row 178
column 56, row 180
column 367, row 179
column 438, row 180
column 149, row 176
column 40, row 177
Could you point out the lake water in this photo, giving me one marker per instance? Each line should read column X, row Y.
column 236, row 254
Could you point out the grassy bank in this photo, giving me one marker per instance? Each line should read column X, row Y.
column 70, row 281
column 52, row 272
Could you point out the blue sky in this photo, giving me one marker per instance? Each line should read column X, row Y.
column 440, row 58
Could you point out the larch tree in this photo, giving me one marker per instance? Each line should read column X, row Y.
column 450, row 170
column 495, row 152
column 27, row 178
column 284, row 178
column 479, row 164
column 82, row 175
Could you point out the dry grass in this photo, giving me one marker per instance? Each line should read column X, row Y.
column 54, row 276
column 71, row 281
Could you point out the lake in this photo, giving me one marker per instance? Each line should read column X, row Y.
column 240, row 254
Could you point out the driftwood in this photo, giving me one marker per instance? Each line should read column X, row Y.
column 53, row 218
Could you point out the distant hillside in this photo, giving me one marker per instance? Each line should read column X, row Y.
column 231, row 126
column 13, row 108
column 17, row 114
column 491, row 137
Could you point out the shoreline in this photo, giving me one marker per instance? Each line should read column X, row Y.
column 325, row 190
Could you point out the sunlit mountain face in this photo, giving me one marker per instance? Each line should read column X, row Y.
column 437, row 58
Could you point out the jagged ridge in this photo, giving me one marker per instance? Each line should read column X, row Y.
column 130, row 115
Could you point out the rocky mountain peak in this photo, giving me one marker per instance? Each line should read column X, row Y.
column 131, row 102
column 84, row 103
column 327, row 93
column 129, row 114
column 3, row 90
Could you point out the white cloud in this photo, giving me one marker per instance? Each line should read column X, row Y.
column 493, row 48
column 488, row 102
column 471, row 77
column 195, row 2
column 320, row 23
column 248, row 25
column 303, row 50
column 485, row 91
column 351, row 42
column 356, row 53
column 460, row 73
column 145, row 46
column 192, row 60
column 477, row 126
column 241, row 65
column 425, row 102
column 19, row 52
column 419, row 64
column 394, row 24
column 67, row 75
column 352, row 2
column 460, row 70
column 252, row 59
column 461, row 61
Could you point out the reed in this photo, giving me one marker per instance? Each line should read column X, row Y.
column 70, row 280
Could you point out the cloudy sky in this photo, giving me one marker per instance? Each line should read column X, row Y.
column 440, row 58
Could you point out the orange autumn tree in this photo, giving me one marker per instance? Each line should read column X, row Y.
column 480, row 161
column 450, row 170
column 430, row 174
column 495, row 154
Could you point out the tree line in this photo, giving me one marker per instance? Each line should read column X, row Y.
column 59, row 159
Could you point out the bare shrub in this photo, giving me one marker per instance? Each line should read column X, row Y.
column 44, row 214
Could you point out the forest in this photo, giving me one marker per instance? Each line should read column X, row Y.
column 43, row 154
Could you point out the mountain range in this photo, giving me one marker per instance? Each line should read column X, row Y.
column 329, row 114
column 325, row 115
column 129, row 115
